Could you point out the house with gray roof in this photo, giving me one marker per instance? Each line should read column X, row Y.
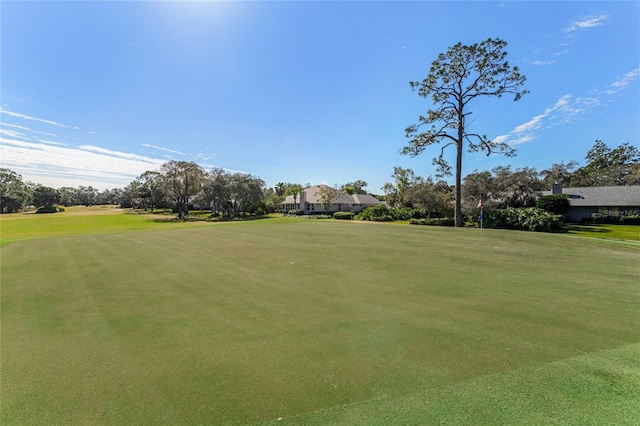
column 310, row 202
column 603, row 200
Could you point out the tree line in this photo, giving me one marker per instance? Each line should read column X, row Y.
column 182, row 185
column 504, row 187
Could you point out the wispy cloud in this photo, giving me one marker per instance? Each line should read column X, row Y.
column 622, row 82
column 163, row 149
column 587, row 22
column 524, row 132
column 15, row 126
column 50, row 142
column 28, row 117
column 542, row 63
column 82, row 165
column 565, row 110
column 14, row 134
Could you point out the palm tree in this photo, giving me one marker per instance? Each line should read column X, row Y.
column 294, row 191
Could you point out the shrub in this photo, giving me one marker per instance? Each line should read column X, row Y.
column 50, row 209
column 316, row 216
column 440, row 221
column 556, row 203
column 259, row 211
column 630, row 219
column 343, row 215
column 605, row 219
column 385, row 218
column 406, row 213
column 379, row 213
column 295, row 212
column 525, row 219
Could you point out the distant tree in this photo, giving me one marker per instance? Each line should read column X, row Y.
column 516, row 188
column 151, row 189
column 358, row 187
column 609, row 167
column 44, row 196
column 457, row 77
column 68, row 196
column 86, row 195
column 245, row 192
column 431, row 198
column 327, row 196
column 215, row 192
column 182, row 180
column 348, row 189
column 558, row 173
column 395, row 191
column 14, row 192
column 478, row 186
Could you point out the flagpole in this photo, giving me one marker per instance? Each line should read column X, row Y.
column 481, row 207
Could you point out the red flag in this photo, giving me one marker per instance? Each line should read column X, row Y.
column 480, row 203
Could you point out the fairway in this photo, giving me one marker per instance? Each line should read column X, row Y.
column 319, row 322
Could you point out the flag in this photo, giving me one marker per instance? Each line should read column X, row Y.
column 480, row 203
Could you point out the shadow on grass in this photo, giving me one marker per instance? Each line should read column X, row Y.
column 588, row 229
column 204, row 219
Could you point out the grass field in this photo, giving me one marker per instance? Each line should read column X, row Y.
column 142, row 321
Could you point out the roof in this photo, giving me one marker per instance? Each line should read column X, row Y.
column 312, row 196
column 602, row 196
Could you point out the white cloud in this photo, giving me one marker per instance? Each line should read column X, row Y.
column 587, row 22
column 47, row 141
column 542, row 63
column 28, row 117
column 13, row 134
column 15, row 126
column 534, row 123
column 163, row 149
column 627, row 78
column 46, row 163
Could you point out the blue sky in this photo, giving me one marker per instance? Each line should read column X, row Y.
column 95, row 93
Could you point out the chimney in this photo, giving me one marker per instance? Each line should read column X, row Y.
column 557, row 188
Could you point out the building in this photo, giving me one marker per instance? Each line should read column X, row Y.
column 309, row 201
column 603, row 200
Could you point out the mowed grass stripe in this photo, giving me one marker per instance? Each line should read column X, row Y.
column 246, row 322
column 595, row 389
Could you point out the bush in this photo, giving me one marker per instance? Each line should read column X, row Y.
column 631, row 219
column 259, row 212
column 440, row 221
column 524, row 219
column 295, row 212
column 379, row 213
column 316, row 216
column 406, row 213
column 607, row 219
column 343, row 215
column 50, row 209
column 556, row 203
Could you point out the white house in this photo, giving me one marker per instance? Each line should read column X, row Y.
column 309, row 201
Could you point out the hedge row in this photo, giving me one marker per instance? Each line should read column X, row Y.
column 629, row 219
column 525, row 219
column 441, row 221
column 633, row 219
column 343, row 215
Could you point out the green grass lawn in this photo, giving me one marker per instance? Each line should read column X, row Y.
column 314, row 322
column 616, row 232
